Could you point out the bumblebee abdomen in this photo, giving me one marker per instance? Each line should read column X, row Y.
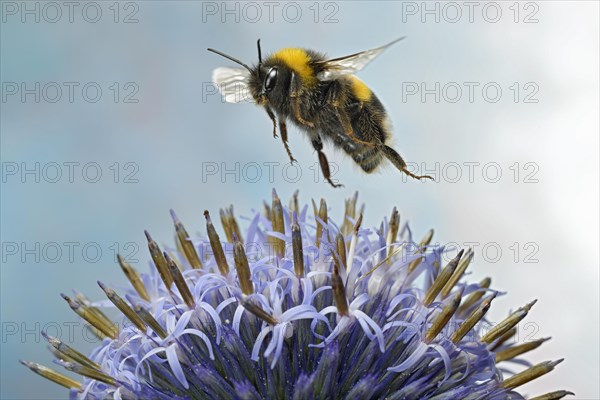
column 367, row 157
column 369, row 119
column 359, row 89
column 367, row 116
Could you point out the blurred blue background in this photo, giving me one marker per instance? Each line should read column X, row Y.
column 142, row 131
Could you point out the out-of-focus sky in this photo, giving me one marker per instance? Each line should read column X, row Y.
column 109, row 120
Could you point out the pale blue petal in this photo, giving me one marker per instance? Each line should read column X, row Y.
column 175, row 365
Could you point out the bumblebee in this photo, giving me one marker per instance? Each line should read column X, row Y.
column 322, row 97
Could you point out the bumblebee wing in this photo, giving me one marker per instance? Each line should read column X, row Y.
column 348, row 65
column 233, row 84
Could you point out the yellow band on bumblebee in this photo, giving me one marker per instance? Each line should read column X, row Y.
column 298, row 61
column 360, row 90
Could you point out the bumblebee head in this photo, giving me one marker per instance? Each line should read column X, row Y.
column 264, row 79
column 267, row 75
column 259, row 81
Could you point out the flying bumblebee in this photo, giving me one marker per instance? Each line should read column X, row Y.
column 321, row 97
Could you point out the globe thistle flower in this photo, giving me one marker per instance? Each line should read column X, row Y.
column 298, row 307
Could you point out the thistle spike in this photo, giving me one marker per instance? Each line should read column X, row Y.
column 530, row 374
column 180, row 282
column 109, row 331
column 441, row 280
column 339, row 292
column 243, row 268
column 340, row 257
column 84, row 301
column 503, row 339
column 297, row 248
column 90, row 373
column 294, row 206
column 187, row 247
column 322, row 214
column 556, row 395
column 469, row 323
column 507, row 324
column 474, row 297
column 52, row 375
column 123, row 307
column 393, row 227
column 353, row 242
column 150, row 321
column 234, row 224
column 420, row 250
column 159, row 261
column 277, row 224
column 259, row 312
column 442, row 319
column 230, row 225
column 514, row 351
column 349, row 214
column 215, row 245
column 460, row 270
column 70, row 352
column 134, row 278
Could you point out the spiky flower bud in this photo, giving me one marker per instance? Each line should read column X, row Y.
column 301, row 308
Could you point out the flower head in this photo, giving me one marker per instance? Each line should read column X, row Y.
column 298, row 307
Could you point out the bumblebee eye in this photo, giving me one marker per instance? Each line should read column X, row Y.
column 271, row 79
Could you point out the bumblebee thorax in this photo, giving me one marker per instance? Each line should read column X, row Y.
column 298, row 60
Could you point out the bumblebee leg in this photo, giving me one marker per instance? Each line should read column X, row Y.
column 336, row 98
column 347, row 125
column 399, row 163
column 284, row 138
column 272, row 116
column 297, row 114
column 318, row 146
column 369, row 159
column 295, row 101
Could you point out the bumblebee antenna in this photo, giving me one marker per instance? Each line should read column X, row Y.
column 259, row 53
column 235, row 60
